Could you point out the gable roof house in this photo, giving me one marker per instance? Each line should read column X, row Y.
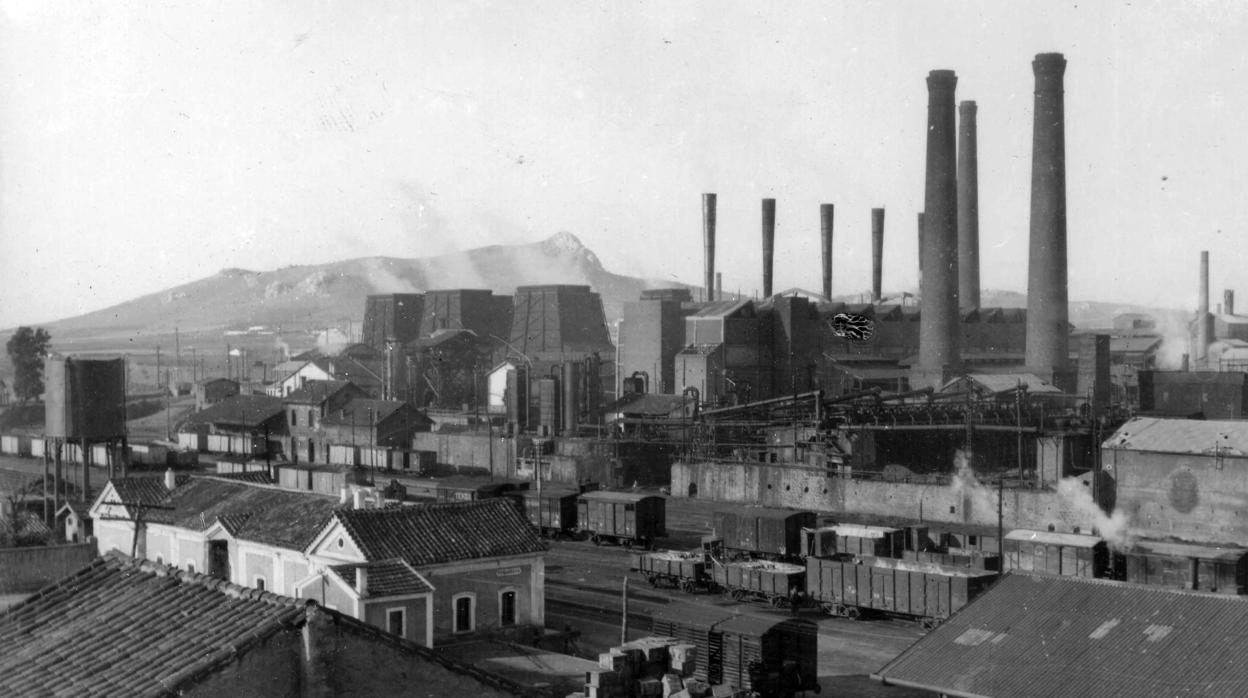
column 484, row 560
column 123, row 627
column 250, row 425
column 306, row 407
column 372, row 425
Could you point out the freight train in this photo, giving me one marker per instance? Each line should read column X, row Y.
column 621, row 518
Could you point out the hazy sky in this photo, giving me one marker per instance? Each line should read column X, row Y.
column 144, row 145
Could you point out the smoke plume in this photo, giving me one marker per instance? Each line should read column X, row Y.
column 968, row 487
column 1112, row 527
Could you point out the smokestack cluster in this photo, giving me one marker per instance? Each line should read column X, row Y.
column 968, row 207
column 1047, row 313
column 939, row 322
column 825, row 228
column 877, row 254
column 769, row 243
column 708, row 239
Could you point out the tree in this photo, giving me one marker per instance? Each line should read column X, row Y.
column 26, row 349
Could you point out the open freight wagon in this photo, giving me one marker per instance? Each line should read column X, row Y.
column 770, row 656
column 864, row 586
column 759, row 580
column 683, row 570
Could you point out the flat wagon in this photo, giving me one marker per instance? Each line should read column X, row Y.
column 856, row 587
column 625, row 518
column 767, row 656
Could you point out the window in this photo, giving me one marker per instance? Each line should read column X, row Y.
column 260, row 583
column 396, row 622
column 312, row 418
column 294, row 418
column 190, row 567
column 465, row 613
column 507, row 608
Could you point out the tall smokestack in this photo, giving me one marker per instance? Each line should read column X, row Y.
column 826, row 212
column 1047, row 313
column 968, row 207
column 708, row 239
column 921, row 219
column 877, row 254
column 1202, row 312
column 769, row 243
column 939, row 321
column 719, row 285
column 1228, row 301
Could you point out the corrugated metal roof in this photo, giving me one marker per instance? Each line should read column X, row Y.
column 1133, row 344
column 1043, row 635
column 1199, row 552
column 1193, row 436
column 1005, row 382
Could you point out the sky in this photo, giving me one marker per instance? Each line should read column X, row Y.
column 145, row 145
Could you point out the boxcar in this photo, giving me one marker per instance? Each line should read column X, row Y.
column 1065, row 554
column 759, row 580
column 626, row 518
column 763, row 532
column 853, row 539
column 769, row 656
column 1223, row 570
column 952, row 557
column 553, row 512
column 684, row 570
column 923, row 591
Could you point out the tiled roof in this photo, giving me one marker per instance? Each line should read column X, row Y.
column 257, row 477
column 364, row 412
column 1045, row 635
column 120, row 627
column 145, row 490
column 126, row 628
column 431, row 534
column 385, row 578
column 1182, row 436
column 262, row 514
column 245, row 410
column 316, row 392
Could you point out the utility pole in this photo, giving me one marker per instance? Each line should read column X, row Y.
column 624, row 615
column 177, row 352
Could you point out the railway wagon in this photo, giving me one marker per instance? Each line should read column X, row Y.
column 625, row 518
column 1065, row 554
column 553, row 511
column 15, row 445
column 685, row 570
column 923, row 591
column 771, row 657
column 759, row 580
column 1222, row 570
column 853, row 539
column 973, row 559
column 763, row 531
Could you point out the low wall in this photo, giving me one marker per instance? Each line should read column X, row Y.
column 812, row 488
column 29, row 569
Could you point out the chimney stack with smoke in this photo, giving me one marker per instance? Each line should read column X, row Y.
column 939, row 321
column 769, row 243
column 968, row 207
column 1047, row 312
column 877, row 254
column 825, row 228
column 708, row 239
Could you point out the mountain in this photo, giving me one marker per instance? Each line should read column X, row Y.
column 332, row 295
